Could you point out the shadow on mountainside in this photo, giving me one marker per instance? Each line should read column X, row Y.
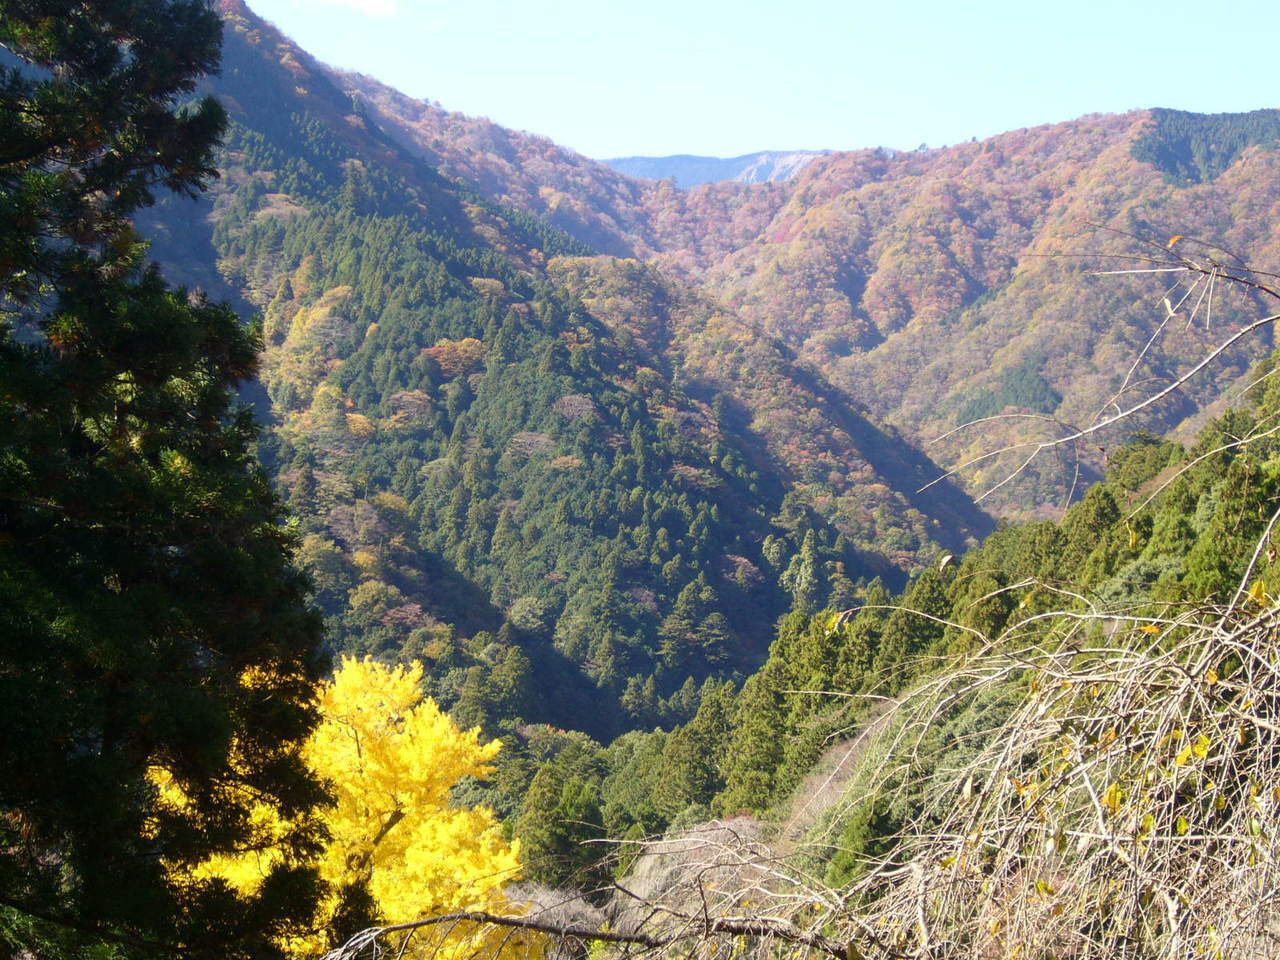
column 907, row 468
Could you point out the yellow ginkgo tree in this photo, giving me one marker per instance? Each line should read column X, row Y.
column 397, row 849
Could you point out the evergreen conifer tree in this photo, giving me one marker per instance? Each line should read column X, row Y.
column 149, row 615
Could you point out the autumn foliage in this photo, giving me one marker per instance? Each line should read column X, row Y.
column 397, row 850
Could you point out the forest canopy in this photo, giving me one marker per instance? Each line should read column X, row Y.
column 622, row 556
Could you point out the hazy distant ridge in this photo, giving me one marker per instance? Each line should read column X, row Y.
column 689, row 171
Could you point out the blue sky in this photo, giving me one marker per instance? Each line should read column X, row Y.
column 719, row 78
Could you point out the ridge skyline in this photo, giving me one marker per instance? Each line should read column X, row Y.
column 660, row 405
column 838, row 78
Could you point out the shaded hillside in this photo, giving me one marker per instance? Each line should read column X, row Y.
column 1195, row 147
column 839, row 463
column 501, row 465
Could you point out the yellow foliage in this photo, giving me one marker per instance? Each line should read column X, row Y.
column 392, row 502
column 1114, row 798
column 360, row 426
column 319, row 314
column 488, row 287
column 390, row 758
column 328, row 404
column 368, row 563
column 1258, row 594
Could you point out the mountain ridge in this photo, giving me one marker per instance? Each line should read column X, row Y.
column 530, row 407
column 688, row 170
column 878, row 268
column 566, row 480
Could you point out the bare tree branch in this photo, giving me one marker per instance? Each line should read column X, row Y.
column 767, row 927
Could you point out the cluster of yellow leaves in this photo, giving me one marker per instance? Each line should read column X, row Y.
column 390, row 758
column 458, row 358
column 360, row 426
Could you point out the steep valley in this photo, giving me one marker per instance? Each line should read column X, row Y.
column 936, row 287
column 575, row 484
column 417, row 536
column 535, row 413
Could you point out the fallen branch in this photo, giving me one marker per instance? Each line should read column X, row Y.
column 731, row 926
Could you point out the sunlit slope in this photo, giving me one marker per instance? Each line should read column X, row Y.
column 509, row 454
column 935, row 287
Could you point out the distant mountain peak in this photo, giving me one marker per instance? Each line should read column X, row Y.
column 689, row 171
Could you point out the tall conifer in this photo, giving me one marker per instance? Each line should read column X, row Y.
column 149, row 615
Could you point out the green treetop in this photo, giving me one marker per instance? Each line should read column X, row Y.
column 149, row 615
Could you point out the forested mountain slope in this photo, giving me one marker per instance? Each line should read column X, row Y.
column 940, row 286
column 951, row 285
column 508, row 454
column 494, row 433
column 1171, row 538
